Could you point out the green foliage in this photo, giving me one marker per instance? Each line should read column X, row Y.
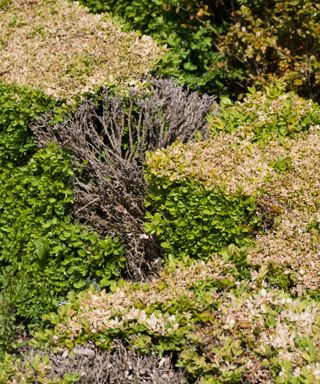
column 272, row 113
column 18, row 106
column 160, row 315
column 282, row 164
column 314, row 225
column 238, row 257
column 10, row 329
column 229, row 333
column 34, row 370
column 276, row 276
column 221, row 326
column 224, row 47
column 276, row 39
column 193, row 220
column 43, row 254
column 188, row 28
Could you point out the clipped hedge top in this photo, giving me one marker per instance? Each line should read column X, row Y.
column 284, row 178
column 61, row 48
column 262, row 115
column 220, row 331
column 219, row 163
column 251, row 143
column 285, row 169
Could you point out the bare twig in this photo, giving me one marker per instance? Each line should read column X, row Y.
column 87, row 205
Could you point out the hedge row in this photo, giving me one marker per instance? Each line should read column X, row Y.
column 43, row 254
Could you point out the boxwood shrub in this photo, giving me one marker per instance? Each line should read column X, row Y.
column 40, row 248
column 43, row 253
column 263, row 115
column 191, row 219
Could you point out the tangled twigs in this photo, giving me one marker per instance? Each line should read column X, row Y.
column 117, row 366
column 111, row 141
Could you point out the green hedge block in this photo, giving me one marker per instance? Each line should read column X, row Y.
column 18, row 106
column 193, row 220
column 42, row 252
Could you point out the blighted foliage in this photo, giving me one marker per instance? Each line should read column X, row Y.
column 246, row 314
column 109, row 143
column 265, row 148
column 89, row 365
column 120, row 365
column 220, row 328
column 276, row 39
column 209, row 194
column 57, row 46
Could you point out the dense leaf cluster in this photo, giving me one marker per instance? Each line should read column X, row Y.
column 275, row 39
column 112, row 137
column 193, row 220
column 18, row 106
column 220, row 328
column 272, row 113
column 232, row 197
